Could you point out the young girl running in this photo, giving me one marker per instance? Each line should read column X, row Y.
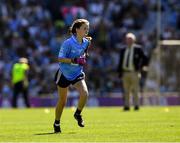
column 72, row 57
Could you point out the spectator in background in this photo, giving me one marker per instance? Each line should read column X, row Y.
column 72, row 57
column 35, row 29
column 131, row 61
column 20, row 81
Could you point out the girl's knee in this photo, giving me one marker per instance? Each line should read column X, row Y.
column 85, row 93
column 62, row 102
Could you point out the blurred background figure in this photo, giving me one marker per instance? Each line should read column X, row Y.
column 36, row 28
column 20, row 81
column 132, row 60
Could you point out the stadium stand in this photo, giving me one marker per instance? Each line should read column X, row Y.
column 36, row 28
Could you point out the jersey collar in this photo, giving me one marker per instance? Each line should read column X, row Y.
column 76, row 41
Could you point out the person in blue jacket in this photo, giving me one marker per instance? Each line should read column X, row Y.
column 72, row 57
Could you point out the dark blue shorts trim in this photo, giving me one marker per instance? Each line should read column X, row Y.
column 61, row 80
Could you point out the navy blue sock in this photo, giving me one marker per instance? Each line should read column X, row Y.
column 57, row 121
column 78, row 111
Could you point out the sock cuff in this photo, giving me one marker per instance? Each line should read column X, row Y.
column 57, row 121
column 78, row 111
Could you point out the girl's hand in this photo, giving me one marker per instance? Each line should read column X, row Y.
column 81, row 60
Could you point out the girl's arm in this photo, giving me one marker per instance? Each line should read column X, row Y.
column 65, row 60
column 80, row 60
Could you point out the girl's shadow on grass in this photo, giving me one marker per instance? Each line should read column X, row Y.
column 41, row 134
column 50, row 133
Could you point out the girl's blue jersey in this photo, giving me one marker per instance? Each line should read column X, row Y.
column 71, row 48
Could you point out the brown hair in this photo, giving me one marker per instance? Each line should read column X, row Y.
column 77, row 24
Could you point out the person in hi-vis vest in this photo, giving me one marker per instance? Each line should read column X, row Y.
column 131, row 62
column 20, row 81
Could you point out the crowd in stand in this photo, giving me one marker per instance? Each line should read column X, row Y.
column 35, row 29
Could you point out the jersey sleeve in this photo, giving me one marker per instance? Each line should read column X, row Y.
column 64, row 49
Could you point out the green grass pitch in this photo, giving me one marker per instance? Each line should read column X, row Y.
column 103, row 124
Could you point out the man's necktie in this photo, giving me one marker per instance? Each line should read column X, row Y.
column 127, row 59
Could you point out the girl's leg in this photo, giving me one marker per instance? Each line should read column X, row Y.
column 83, row 91
column 62, row 92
